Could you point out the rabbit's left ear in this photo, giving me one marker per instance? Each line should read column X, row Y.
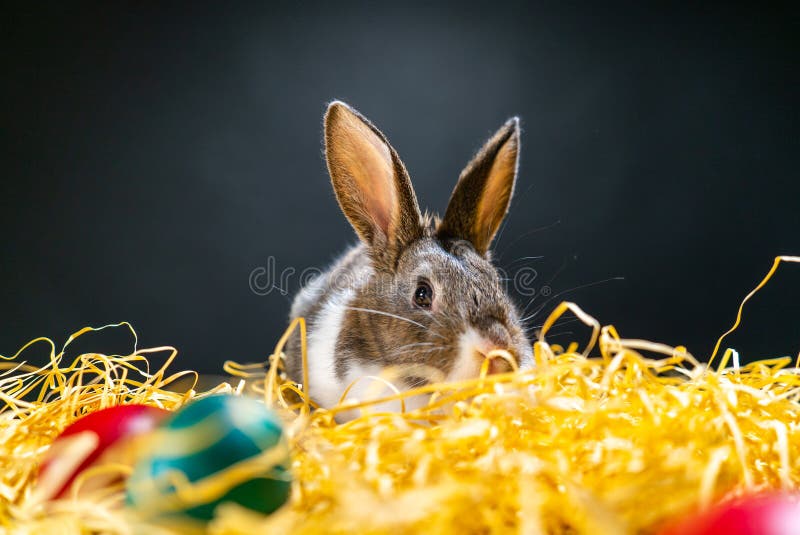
column 483, row 193
column 371, row 184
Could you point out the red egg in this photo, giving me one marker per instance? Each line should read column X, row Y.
column 774, row 514
column 106, row 436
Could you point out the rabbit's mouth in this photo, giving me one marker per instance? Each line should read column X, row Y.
column 499, row 360
column 478, row 354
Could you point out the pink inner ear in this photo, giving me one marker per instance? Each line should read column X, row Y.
column 369, row 162
column 497, row 192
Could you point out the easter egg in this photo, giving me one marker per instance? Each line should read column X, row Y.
column 777, row 514
column 218, row 449
column 111, row 435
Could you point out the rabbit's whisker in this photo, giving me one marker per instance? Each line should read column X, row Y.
column 514, row 202
column 548, row 283
column 403, row 351
column 395, row 316
column 582, row 286
column 416, row 344
column 437, row 322
column 408, row 347
column 562, row 333
column 525, row 260
column 560, row 322
column 528, row 233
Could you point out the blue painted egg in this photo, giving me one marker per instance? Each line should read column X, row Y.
column 218, row 449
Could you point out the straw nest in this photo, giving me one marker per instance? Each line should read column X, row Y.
column 616, row 437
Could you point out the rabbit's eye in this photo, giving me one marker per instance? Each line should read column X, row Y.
column 423, row 295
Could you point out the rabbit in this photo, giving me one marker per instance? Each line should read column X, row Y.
column 417, row 289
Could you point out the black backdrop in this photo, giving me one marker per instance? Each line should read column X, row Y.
column 154, row 157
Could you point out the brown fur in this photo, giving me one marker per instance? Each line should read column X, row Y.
column 453, row 268
column 375, row 280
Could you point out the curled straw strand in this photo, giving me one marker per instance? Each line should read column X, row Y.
column 615, row 443
column 765, row 280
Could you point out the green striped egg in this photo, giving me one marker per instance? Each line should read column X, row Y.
column 221, row 448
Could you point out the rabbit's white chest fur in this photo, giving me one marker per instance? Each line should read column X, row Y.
column 325, row 325
column 325, row 387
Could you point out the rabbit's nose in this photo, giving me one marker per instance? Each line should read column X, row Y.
column 476, row 345
column 495, row 341
column 500, row 356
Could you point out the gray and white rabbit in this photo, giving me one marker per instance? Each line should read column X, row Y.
column 416, row 290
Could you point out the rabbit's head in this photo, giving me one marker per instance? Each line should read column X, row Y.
column 432, row 296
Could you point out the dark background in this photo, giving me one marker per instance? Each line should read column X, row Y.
column 154, row 156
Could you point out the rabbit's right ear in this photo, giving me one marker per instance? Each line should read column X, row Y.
column 371, row 184
column 483, row 193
